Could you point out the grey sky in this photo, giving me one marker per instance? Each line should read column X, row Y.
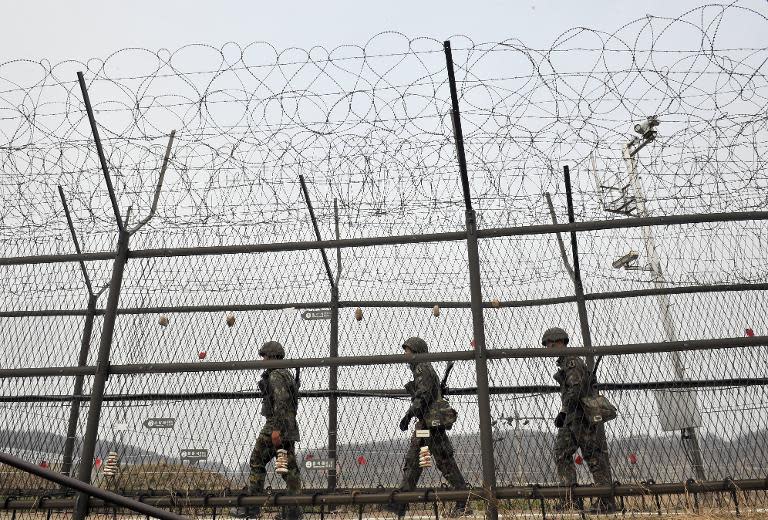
column 79, row 29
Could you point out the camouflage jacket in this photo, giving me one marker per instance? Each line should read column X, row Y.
column 280, row 402
column 424, row 389
column 574, row 378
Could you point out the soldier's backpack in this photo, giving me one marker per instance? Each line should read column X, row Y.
column 440, row 414
column 597, row 408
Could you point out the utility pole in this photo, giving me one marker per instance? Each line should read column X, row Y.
column 629, row 154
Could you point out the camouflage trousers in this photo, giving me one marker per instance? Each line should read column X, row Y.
column 442, row 454
column 577, row 435
column 263, row 452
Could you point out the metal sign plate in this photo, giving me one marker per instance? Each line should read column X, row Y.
column 160, row 422
column 319, row 464
column 316, row 314
column 192, row 454
column 422, row 433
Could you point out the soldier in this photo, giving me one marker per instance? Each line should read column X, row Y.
column 280, row 430
column 573, row 431
column 425, row 390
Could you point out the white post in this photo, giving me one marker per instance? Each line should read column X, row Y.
column 690, row 438
column 653, row 258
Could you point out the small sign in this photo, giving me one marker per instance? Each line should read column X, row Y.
column 319, row 464
column 316, row 314
column 193, row 455
column 422, row 433
column 120, row 427
column 160, row 422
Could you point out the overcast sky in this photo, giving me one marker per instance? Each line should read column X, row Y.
column 80, row 28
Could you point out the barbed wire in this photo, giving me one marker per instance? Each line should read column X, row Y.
column 369, row 125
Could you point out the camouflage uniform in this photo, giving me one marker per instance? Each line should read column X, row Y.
column 278, row 406
column 574, row 378
column 424, row 390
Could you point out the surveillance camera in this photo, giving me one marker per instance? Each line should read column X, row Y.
column 625, row 260
column 646, row 128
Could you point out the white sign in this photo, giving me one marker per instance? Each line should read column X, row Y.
column 160, row 422
column 319, row 464
column 316, row 314
column 193, row 455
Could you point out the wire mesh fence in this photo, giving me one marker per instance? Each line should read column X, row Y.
column 228, row 261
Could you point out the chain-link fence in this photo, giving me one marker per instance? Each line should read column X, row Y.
column 339, row 202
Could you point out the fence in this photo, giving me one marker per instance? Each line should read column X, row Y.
column 673, row 301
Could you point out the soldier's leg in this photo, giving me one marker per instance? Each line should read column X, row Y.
column 589, row 440
column 565, row 447
column 442, row 453
column 262, row 453
column 411, row 474
column 292, row 480
column 411, row 469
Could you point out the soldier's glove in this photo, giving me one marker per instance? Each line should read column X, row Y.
column 405, row 421
column 560, row 420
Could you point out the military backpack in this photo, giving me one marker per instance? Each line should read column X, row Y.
column 440, row 414
column 597, row 409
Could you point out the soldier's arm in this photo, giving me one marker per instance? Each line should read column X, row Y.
column 573, row 384
column 282, row 401
column 422, row 395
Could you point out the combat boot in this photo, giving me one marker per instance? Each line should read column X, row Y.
column 290, row 513
column 398, row 509
column 252, row 512
column 459, row 510
column 603, row 506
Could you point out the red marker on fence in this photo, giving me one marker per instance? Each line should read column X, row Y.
column 579, row 460
column 632, row 458
column 749, row 333
column 361, row 460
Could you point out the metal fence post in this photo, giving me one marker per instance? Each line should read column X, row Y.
column 333, row 412
column 333, row 403
column 586, row 334
column 102, row 372
column 476, row 297
column 74, row 409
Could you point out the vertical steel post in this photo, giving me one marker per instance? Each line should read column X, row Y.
column 333, row 413
column 74, row 409
column 586, row 334
column 476, row 297
column 102, row 372
column 333, row 403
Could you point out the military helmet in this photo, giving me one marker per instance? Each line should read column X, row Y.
column 272, row 350
column 554, row 334
column 416, row 344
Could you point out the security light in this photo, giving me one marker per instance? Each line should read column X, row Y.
column 646, row 128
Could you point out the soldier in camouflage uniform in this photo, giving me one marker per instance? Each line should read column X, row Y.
column 280, row 430
column 573, row 430
column 424, row 390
